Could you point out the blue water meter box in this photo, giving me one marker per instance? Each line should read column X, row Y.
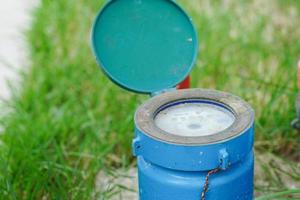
column 190, row 144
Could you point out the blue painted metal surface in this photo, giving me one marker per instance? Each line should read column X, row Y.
column 192, row 158
column 159, row 183
column 144, row 45
column 177, row 172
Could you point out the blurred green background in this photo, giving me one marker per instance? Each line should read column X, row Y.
column 69, row 121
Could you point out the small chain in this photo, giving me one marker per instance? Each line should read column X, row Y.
column 205, row 187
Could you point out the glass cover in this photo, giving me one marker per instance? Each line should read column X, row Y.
column 194, row 119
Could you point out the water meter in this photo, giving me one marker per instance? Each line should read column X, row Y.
column 190, row 144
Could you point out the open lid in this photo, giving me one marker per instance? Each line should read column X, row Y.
column 144, row 45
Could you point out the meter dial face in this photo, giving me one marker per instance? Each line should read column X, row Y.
column 194, row 119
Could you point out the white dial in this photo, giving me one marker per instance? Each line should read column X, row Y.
column 194, row 119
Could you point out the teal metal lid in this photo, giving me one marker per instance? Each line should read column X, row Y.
column 144, row 45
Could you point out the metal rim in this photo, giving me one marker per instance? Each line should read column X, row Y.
column 244, row 114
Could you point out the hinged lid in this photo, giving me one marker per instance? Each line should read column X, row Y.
column 144, row 45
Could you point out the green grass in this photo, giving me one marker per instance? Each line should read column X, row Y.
column 69, row 121
column 278, row 195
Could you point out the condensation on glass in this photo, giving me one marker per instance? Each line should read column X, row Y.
column 194, row 119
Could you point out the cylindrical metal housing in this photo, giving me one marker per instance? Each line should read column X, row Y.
column 175, row 167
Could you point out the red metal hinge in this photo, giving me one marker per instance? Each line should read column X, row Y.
column 184, row 84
